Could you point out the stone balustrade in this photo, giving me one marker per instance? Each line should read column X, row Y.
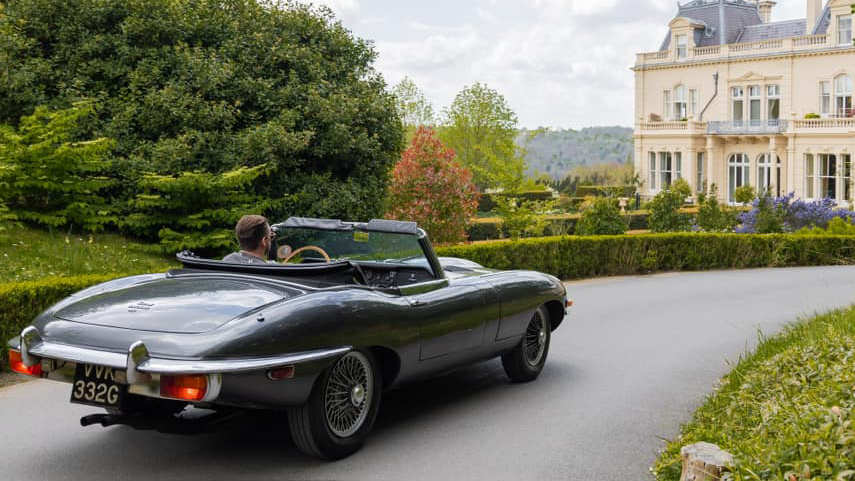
column 720, row 52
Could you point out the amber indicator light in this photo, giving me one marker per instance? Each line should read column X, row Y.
column 186, row 388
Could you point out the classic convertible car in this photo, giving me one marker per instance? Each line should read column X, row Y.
column 356, row 309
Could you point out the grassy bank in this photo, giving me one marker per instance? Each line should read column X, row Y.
column 29, row 254
column 785, row 411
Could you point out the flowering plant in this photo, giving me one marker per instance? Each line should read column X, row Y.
column 430, row 187
column 788, row 214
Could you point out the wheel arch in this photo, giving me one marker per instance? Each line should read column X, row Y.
column 556, row 313
column 389, row 364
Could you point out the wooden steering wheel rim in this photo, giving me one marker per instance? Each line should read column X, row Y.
column 306, row 248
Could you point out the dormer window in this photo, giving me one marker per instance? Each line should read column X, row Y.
column 844, row 30
column 682, row 42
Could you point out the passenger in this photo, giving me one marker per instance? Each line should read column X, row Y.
column 254, row 236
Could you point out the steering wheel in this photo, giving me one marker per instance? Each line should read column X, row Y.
column 306, row 248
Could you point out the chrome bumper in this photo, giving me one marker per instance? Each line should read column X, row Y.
column 142, row 371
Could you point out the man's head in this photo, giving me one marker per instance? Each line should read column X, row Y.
column 253, row 234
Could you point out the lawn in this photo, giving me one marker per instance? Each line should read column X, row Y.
column 787, row 410
column 29, row 254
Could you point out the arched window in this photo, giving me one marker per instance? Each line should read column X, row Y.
column 738, row 173
column 764, row 174
column 843, row 95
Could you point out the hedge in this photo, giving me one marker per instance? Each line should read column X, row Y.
column 486, row 202
column 487, row 228
column 21, row 302
column 574, row 257
column 602, row 190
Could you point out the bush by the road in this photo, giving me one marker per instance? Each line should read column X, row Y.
column 490, row 228
column 572, row 257
column 21, row 302
column 786, row 411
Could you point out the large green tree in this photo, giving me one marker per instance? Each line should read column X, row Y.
column 213, row 86
column 413, row 107
column 481, row 127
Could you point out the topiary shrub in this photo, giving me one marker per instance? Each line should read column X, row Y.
column 744, row 194
column 712, row 216
column 601, row 217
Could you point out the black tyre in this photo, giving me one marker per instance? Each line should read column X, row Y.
column 525, row 362
column 341, row 410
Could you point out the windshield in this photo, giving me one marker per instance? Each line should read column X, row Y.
column 353, row 245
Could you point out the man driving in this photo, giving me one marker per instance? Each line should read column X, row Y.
column 254, row 236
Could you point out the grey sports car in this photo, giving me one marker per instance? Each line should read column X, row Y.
column 353, row 310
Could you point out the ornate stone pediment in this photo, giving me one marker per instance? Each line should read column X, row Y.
column 755, row 77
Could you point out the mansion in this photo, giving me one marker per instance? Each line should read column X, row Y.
column 731, row 99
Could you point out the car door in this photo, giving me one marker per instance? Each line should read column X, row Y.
column 453, row 318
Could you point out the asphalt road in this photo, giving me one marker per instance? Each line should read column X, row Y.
column 635, row 358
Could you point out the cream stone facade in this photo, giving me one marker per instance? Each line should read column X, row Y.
column 728, row 91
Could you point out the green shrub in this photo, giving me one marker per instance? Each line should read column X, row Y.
column 812, row 115
column 521, row 217
column 605, row 190
column 602, row 217
column 785, row 411
column 51, row 178
column 744, row 194
column 573, row 257
column 21, row 302
column 665, row 215
column 490, row 228
column 712, row 216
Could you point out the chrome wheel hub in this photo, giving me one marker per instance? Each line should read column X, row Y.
column 348, row 394
column 534, row 341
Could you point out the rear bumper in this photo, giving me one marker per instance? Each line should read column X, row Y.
column 241, row 382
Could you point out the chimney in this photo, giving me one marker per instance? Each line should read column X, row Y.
column 765, row 9
column 814, row 10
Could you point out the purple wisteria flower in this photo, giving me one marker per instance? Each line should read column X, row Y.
column 795, row 213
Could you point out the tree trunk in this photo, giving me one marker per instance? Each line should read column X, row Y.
column 704, row 462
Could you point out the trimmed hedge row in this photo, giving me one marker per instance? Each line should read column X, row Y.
column 487, row 202
column 573, row 257
column 21, row 302
column 487, row 228
column 603, row 190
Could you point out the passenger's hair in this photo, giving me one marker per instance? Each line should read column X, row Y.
column 250, row 229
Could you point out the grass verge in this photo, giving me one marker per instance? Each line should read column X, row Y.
column 786, row 411
column 28, row 254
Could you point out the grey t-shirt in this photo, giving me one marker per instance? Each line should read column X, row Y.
column 244, row 258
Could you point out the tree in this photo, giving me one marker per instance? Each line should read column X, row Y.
column 712, row 216
column 429, row 186
column 50, row 179
column 414, row 108
column 664, row 209
column 213, row 86
column 481, row 127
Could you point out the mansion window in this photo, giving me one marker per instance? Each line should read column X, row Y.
column 681, row 110
column 764, row 174
column 825, row 98
column 664, row 169
column 828, row 176
column 737, row 173
column 773, row 103
column 754, row 104
column 844, row 30
column 737, row 95
column 699, row 186
column 682, row 46
column 843, row 96
column 680, row 103
column 693, row 102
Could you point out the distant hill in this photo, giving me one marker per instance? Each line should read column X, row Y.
column 556, row 152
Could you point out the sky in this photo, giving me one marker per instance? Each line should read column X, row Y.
column 558, row 63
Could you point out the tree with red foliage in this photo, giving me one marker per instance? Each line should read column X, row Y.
column 429, row 186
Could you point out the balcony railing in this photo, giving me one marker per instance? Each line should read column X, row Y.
column 742, row 127
column 673, row 125
column 824, row 124
column 786, row 45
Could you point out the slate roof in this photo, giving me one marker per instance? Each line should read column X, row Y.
column 742, row 23
column 773, row 30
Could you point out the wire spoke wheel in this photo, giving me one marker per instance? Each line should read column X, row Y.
column 348, row 394
column 534, row 341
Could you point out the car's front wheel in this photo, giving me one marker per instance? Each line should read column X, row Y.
column 525, row 362
column 341, row 409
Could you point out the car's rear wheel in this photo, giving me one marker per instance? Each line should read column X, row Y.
column 525, row 362
column 341, row 409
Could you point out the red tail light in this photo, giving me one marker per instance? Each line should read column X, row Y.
column 186, row 388
column 17, row 365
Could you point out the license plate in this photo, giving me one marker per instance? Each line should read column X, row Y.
column 97, row 386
